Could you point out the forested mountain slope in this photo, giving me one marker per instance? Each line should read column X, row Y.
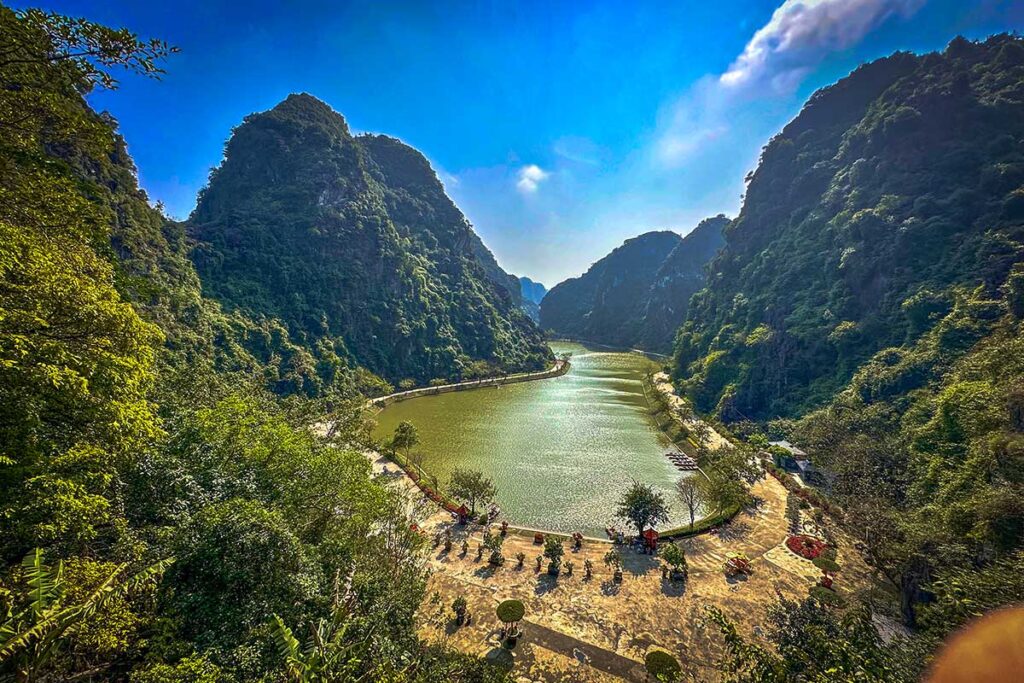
column 163, row 517
column 891, row 187
column 678, row 277
column 638, row 294
column 352, row 242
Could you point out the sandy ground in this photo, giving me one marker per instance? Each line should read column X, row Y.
column 579, row 629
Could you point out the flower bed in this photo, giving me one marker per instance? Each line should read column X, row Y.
column 807, row 547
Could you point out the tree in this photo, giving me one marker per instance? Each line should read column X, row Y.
column 701, row 433
column 510, row 613
column 643, row 506
column 692, row 495
column 816, row 644
column 729, row 473
column 472, row 486
column 405, row 437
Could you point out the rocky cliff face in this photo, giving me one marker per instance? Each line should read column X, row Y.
column 353, row 243
column 532, row 291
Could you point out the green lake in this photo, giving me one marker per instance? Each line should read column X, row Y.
column 561, row 451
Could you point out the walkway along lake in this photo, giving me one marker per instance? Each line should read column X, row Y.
column 561, row 451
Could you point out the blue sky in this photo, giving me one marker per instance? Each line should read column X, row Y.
column 560, row 129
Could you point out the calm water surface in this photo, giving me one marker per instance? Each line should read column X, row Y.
column 561, row 451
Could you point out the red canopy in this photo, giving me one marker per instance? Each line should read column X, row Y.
column 463, row 510
column 650, row 534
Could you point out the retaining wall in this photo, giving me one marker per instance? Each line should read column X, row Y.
column 560, row 368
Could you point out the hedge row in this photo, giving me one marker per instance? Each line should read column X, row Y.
column 702, row 525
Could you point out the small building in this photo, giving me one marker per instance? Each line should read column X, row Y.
column 799, row 462
column 792, row 460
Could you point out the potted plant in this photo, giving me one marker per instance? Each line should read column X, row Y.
column 459, row 606
column 510, row 613
column 675, row 561
column 493, row 543
column 614, row 559
column 553, row 550
column 828, row 569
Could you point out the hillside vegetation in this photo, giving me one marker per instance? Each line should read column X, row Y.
column 872, row 291
column 637, row 295
column 893, row 187
column 166, row 515
column 352, row 242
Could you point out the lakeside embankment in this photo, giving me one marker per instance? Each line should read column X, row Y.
column 653, row 355
column 560, row 367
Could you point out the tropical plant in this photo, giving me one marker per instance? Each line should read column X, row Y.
column 36, row 623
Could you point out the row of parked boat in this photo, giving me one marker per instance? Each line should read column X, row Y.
column 682, row 461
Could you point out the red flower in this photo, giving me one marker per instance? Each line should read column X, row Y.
column 805, row 546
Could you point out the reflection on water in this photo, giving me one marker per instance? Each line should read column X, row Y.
column 560, row 450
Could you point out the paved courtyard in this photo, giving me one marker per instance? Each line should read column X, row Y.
column 579, row 629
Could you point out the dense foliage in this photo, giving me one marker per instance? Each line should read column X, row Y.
column 637, row 295
column 164, row 516
column 891, row 187
column 926, row 447
column 353, row 243
column 872, row 287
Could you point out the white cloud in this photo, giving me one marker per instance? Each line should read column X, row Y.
column 781, row 54
column 801, row 33
column 530, row 177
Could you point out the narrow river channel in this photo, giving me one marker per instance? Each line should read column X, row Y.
column 561, row 451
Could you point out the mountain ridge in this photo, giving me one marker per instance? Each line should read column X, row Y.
column 305, row 222
column 637, row 295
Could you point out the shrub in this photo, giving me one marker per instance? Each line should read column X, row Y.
column 827, row 596
column 510, row 611
column 662, row 666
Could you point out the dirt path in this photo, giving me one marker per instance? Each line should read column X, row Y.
column 663, row 384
